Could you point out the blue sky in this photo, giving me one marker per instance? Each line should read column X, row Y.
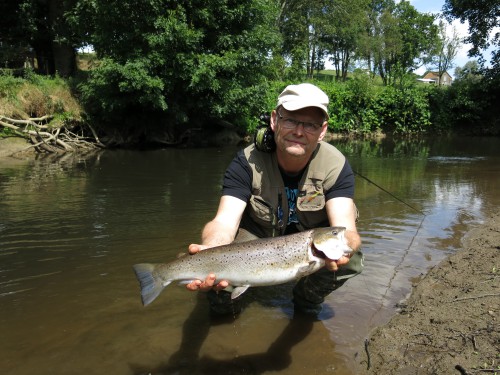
column 428, row 6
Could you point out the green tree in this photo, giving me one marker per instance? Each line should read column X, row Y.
column 401, row 39
column 13, row 45
column 372, row 41
column 470, row 105
column 484, row 19
column 42, row 25
column 469, row 72
column 300, row 26
column 446, row 50
column 345, row 25
column 168, row 63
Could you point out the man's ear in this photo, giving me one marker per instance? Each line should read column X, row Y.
column 274, row 120
column 324, row 129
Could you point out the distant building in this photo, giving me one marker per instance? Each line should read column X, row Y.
column 433, row 78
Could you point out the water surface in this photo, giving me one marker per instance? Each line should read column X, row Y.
column 72, row 227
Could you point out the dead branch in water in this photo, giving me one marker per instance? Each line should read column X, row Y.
column 47, row 138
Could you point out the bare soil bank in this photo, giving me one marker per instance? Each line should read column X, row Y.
column 15, row 146
column 449, row 325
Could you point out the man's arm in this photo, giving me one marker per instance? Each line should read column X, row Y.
column 342, row 213
column 221, row 230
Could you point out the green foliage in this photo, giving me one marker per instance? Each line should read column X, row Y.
column 470, row 105
column 403, row 110
column 181, row 64
column 469, row 72
column 362, row 106
column 9, row 85
column 340, row 114
column 400, row 39
column 37, row 96
column 482, row 17
column 172, row 64
column 345, row 23
column 116, row 90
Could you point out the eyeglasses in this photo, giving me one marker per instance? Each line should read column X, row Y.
column 291, row 123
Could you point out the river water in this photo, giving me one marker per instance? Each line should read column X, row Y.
column 72, row 227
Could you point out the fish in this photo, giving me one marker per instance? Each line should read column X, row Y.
column 259, row 262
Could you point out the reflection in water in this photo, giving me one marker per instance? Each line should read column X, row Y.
column 195, row 331
column 71, row 227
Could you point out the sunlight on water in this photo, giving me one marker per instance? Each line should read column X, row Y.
column 71, row 229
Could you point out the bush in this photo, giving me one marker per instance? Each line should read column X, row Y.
column 469, row 105
column 122, row 94
column 403, row 110
column 9, row 86
column 362, row 106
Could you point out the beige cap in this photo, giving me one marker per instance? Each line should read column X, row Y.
column 295, row 97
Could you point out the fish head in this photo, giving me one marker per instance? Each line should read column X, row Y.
column 330, row 242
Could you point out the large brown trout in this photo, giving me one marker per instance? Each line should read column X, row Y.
column 260, row 262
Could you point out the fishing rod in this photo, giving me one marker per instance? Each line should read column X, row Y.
column 398, row 266
column 264, row 141
column 388, row 192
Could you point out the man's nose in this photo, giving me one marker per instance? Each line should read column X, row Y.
column 299, row 128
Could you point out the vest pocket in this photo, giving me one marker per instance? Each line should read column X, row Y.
column 311, row 198
column 262, row 212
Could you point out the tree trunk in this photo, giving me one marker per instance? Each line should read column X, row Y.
column 63, row 52
column 64, row 59
column 44, row 57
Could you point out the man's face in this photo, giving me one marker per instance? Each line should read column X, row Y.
column 297, row 133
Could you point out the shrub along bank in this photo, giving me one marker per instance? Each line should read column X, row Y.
column 360, row 106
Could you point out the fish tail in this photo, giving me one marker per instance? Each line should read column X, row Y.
column 151, row 286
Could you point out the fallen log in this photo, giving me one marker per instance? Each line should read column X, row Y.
column 47, row 138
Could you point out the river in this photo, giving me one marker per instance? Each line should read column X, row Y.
column 71, row 228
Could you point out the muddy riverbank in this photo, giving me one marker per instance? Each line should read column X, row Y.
column 449, row 325
column 15, row 146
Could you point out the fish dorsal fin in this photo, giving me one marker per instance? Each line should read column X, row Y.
column 238, row 291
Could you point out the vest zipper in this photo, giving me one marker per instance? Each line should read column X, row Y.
column 281, row 223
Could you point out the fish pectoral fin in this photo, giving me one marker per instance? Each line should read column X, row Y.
column 307, row 269
column 239, row 290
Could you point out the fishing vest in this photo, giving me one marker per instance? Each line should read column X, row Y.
column 266, row 214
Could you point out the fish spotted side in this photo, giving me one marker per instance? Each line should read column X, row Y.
column 260, row 262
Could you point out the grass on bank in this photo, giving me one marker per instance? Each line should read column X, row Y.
column 33, row 96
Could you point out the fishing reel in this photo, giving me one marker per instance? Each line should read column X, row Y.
column 264, row 135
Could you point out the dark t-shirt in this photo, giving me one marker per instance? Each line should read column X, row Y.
column 238, row 184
